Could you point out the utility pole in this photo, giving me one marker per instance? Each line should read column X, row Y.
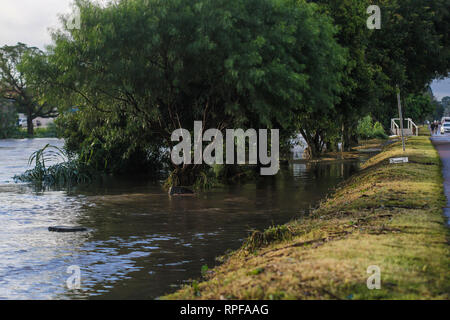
column 400, row 116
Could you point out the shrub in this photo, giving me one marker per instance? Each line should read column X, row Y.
column 378, row 131
column 64, row 174
column 8, row 123
column 51, row 131
column 368, row 130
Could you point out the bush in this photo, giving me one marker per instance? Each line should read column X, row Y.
column 378, row 131
column 8, row 123
column 114, row 146
column 368, row 130
column 51, row 131
column 64, row 174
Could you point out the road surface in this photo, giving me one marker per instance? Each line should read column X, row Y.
column 442, row 144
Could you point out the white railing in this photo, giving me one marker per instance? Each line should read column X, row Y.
column 394, row 128
column 410, row 130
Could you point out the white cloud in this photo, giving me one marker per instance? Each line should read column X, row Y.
column 441, row 88
column 28, row 21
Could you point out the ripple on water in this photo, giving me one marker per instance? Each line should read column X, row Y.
column 142, row 243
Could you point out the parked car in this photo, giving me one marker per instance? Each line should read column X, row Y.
column 445, row 119
column 445, row 127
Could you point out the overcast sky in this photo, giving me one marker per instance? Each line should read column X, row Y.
column 28, row 21
column 441, row 88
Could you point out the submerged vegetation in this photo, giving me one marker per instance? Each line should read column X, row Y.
column 65, row 171
column 388, row 215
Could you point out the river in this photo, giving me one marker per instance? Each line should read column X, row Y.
column 141, row 243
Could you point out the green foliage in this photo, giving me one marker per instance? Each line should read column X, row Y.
column 256, row 271
column 271, row 235
column 66, row 173
column 438, row 112
column 446, row 102
column 418, row 107
column 359, row 75
column 205, row 180
column 8, row 122
column 138, row 70
column 204, row 270
column 196, row 288
column 109, row 145
column 24, row 90
column 424, row 131
column 368, row 130
column 444, row 105
column 411, row 49
column 51, row 131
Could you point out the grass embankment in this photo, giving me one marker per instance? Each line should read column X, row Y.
column 388, row 215
column 21, row 133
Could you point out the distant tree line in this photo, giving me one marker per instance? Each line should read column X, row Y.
column 14, row 86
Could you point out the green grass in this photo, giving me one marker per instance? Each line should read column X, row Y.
column 389, row 215
column 424, row 131
column 49, row 132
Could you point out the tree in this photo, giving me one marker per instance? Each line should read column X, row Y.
column 8, row 119
column 138, row 70
column 445, row 102
column 324, row 62
column 358, row 94
column 418, row 107
column 14, row 85
column 411, row 49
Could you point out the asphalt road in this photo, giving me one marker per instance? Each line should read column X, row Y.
column 442, row 144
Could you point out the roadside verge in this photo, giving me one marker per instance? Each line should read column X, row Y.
column 387, row 215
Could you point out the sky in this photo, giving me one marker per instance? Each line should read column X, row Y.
column 441, row 88
column 28, row 21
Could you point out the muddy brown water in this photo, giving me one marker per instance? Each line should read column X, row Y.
column 141, row 243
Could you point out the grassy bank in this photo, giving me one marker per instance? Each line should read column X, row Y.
column 388, row 215
column 21, row 133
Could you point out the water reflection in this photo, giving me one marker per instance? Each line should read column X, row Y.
column 142, row 243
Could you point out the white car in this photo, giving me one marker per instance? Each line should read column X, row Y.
column 445, row 119
column 445, row 127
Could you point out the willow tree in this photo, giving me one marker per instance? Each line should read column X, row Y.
column 138, row 70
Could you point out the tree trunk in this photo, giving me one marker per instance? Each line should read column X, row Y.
column 314, row 151
column 185, row 175
column 332, row 146
column 315, row 146
column 30, row 128
column 349, row 137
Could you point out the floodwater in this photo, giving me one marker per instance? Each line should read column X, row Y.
column 141, row 243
